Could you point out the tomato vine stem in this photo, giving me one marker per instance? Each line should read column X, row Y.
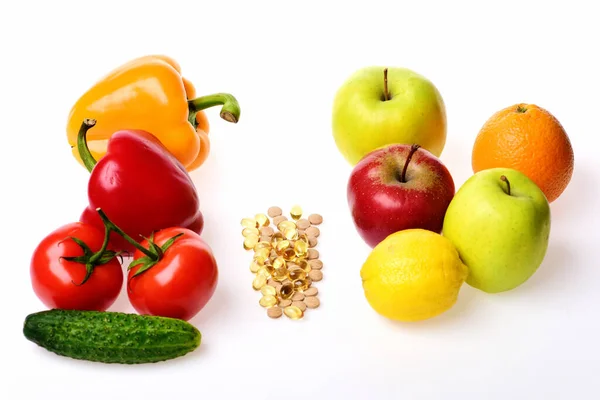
column 152, row 255
column 91, row 259
column 110, row 226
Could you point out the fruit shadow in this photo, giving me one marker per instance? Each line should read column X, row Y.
column 557, row 263
column 465, row 306
column 580, row 196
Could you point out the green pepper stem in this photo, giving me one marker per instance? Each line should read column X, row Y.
column 82, row 147
column 229, row 112
column 111, row 226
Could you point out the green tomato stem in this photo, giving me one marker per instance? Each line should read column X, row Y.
column 82, row 147
column 100, row 252
column 92, row 260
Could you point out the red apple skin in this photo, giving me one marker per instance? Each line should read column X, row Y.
column 381, row 205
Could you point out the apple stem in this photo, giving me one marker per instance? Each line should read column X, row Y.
column 386, row 94
column 505, row 179
column 413, row 149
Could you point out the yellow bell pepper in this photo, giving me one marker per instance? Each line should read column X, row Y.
column 149, row 93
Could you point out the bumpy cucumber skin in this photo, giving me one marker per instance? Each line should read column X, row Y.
column 111, row 337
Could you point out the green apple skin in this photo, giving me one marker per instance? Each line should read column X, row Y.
column 362, row 120
column 502, row 238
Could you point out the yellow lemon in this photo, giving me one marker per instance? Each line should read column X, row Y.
column 412, row 275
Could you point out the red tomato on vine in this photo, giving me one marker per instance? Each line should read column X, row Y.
column 71, row 268
column 178, row 284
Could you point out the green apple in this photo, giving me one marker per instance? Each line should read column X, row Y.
column 499, row 221
column 379, row 106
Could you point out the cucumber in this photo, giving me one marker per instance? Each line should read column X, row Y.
column 111, row 337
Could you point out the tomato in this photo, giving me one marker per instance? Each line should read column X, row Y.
column 59, row 283
column 180, row 282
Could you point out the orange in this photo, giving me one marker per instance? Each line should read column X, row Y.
column 531, row 140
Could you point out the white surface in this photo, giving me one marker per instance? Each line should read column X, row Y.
column 284, row 63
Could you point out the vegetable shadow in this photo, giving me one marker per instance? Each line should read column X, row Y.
column 217, row 307
column 122, row 303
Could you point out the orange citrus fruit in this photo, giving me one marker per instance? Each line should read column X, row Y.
column 529, row 139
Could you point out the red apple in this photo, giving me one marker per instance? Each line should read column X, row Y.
column 398, row 187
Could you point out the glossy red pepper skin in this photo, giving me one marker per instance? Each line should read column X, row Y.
column 142, row 188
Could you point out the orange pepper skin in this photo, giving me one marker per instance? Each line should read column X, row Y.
column 203, row 125
column 202, row 131
column 150, row 94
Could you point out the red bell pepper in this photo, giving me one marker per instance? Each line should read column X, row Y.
column 140, row 185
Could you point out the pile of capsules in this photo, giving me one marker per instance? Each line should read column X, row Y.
column 285, row 262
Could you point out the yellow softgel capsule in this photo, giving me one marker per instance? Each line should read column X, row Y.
column 260, row 260
column 254, row 267
column 248, row 231
column 287, row 224
column 304, row 265
column 268, row 300
column 296, row 212
column 262, row 220
column 249, row 223
column 262, row 245
column 290, row 233
column 279, row 263
column 259, row 281
column 297, row 274
column 303, row 236
column 262, row 253
column 268, row 290
column 300, row 247
column 277, row 237
column 293, row 312
column 264, row 272
column 280, row 275
column 270, row 270
column 282, row 245
column 250, row 241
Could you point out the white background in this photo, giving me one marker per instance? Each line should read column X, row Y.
column 284, row 64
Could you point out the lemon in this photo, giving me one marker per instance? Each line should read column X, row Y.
column 412, row 275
